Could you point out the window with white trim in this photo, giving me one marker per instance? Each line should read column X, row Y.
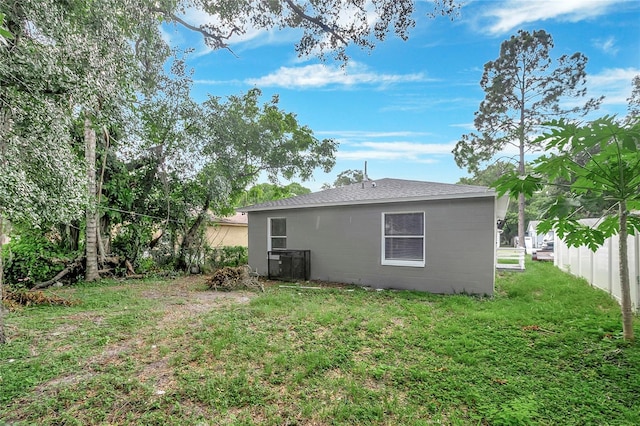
column 403, row 239
column 277, row 236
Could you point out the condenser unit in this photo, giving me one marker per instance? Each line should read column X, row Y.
column 289, row 265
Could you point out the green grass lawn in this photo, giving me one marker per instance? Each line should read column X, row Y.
column 545, row 350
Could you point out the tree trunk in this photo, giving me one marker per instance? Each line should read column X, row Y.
column 3, row 337
column 521, row 169
column 190, row 236
column 91, row 240
column 70, row 235
column 105, row 232
column 625, row 287
column 103, row 250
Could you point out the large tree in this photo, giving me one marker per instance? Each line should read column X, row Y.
column 172, row 133
column 612, row 171
column 239, row 139
column 57, row 72
column 523, row 89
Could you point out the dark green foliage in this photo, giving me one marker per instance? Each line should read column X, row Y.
column 268, row 192
column 348, row 177
column 131, row 241
column 219, row 257
column 32, row 257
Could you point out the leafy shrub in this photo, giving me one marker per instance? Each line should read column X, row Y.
column 221, row 257
column 131, row 241
column 32, row 257
column 145, row 265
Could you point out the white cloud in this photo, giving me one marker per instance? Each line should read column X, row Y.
column 512, row 14
column 613, row 83
column 396, row 151
column 364, row 155
column 607, row 45
column 470, row 126
column 360, row 145
column 321, row 75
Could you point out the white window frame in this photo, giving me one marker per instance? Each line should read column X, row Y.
column 399, row 262
column 269, row 236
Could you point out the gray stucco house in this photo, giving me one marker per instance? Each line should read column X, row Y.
column 387, row 233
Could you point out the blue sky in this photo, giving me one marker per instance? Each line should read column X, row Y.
column 403, row 106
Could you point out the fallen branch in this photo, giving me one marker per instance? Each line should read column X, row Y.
column 135, row 277
column 76, row 263
column 130, row 270
column 238, row 278
column 15, row 299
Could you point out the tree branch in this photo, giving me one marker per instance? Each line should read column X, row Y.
column 76, row 263
column 219, row 39
column 314, row 20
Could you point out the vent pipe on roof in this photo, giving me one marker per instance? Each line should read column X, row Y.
column 365, row 177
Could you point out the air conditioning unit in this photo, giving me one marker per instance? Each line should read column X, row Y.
column 289, row 265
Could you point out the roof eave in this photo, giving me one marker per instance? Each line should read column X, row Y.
column 483, row 194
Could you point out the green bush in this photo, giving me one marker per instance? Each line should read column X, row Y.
column 32, row 257
column 131, row 241
column 220, row 257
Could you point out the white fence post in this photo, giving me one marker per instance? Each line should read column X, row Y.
column 505, row 257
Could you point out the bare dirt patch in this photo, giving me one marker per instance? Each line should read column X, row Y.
column 182, row 299
column 189, row 296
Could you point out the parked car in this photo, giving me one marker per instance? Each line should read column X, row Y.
column 543, row 253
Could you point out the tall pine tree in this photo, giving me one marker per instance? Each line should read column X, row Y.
column 522, row 90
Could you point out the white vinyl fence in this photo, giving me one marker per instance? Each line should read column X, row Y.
column 600, row 268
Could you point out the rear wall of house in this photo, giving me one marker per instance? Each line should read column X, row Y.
column 345, row 244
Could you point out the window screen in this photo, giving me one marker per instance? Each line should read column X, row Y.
column 403, row 239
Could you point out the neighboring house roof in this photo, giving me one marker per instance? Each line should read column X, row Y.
column 376, row 191
column 238, row 219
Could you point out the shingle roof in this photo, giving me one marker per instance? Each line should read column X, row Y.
column 376, row 191
column 236, row 219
